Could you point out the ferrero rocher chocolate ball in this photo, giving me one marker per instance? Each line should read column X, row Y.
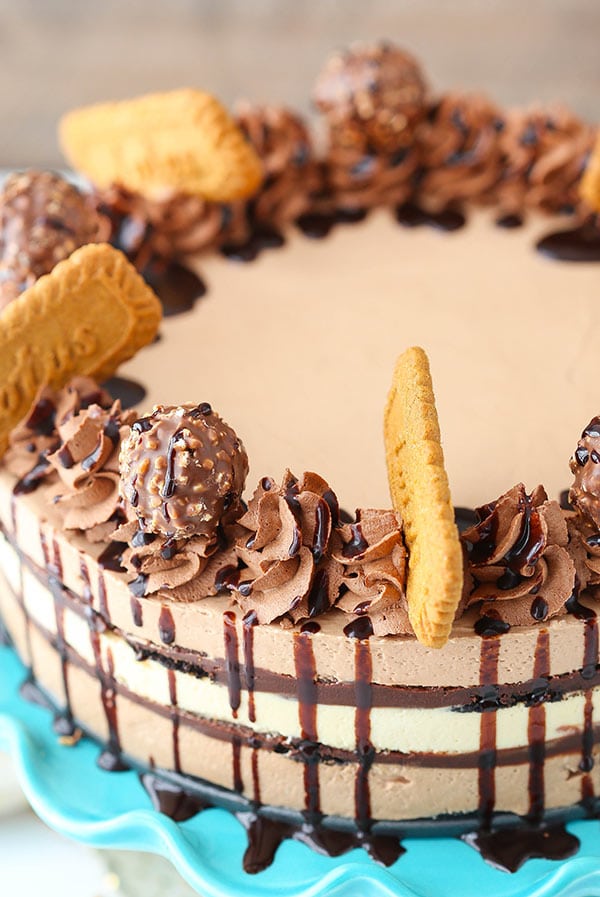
column 372, row 92
column 183, row 471
column 585, row 465
column 43, row 219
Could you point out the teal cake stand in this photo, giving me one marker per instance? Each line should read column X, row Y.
column 111, row 810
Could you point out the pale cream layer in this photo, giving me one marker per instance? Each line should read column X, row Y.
column 296, row 351
column 198, row 624
column 405, row 729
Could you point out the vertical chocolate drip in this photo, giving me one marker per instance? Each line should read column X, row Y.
column 174, row 718
column 255, row 776
column 21, row 595
column 536, row 731
column 110, row 559
column 102, row 599
column 85, row 579
column 234, row 683
column 236, row 751
column 249, row 622
column 363, row 673
column 65, row 720
column 166, row 626
column 110, row 758
column 488, row 672
column 590, row 645
column 136, row 611
column 306, row 673
column 589, row 666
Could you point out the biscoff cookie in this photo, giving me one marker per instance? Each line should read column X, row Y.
column 91, row 313
column 589, row 187
column 420, row 492
column 182, row 141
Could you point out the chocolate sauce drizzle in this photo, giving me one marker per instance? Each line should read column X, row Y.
column 363, row 672
column 261, row 238
column 448, row 219
column 536, row 732
column 177, row 287
column 306, row 675
column 510, row 221
column 171, row 678
column 230, row 641
column 580, row 244
column 317, row 225
column 506, row 849
column 248, row 623
column 488, row 671
column 128, row 391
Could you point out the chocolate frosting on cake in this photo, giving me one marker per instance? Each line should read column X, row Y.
column 38, row 435
column 545, row 151
column 43, row 219
column 374, row 560
column 459, row 148
column 87, row 463
column 285, row 550
column 175, row 226
column 291, row 173
column 518, row 560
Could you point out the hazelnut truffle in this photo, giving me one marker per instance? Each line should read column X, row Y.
column 585, row 465
column 374, row 92
column 43, row 219
column 183, row 471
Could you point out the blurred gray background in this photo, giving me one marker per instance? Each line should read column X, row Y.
column 55, row 54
